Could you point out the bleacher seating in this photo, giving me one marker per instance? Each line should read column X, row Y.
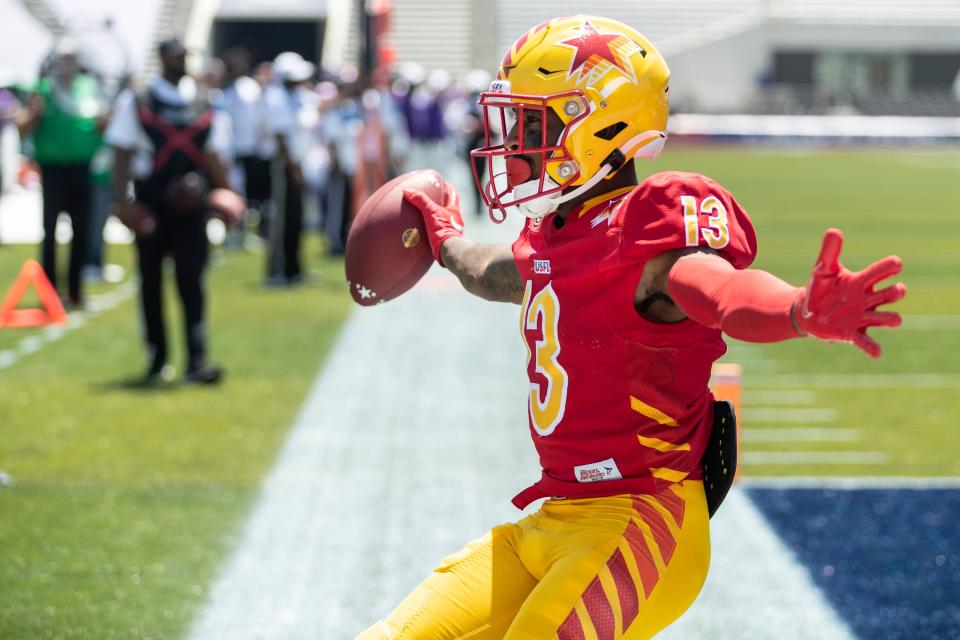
column 804, row 100
column 917, row 103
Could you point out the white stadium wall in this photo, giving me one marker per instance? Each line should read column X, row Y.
column 866, row 37
column 721, row 76
column 718, row 51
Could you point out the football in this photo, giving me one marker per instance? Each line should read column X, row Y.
column 387, row 247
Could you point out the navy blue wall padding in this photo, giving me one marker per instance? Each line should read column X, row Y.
column 887, row 560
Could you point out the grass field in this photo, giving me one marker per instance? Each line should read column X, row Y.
column 126, row 500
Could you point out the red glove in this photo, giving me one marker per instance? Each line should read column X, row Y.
column 839, row 304
column 442, row 222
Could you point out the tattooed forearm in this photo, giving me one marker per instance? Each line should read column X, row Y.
column 487, row 271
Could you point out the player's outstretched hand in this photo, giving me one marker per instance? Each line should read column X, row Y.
column 839, row 304
column 442, row 222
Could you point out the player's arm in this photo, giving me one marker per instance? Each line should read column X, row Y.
column 756, row 306
column 487, row 271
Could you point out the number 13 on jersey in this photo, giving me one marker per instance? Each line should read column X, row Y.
column 539, row 322
column 717, row 234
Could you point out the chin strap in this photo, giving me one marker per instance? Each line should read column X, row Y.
column 548, row 204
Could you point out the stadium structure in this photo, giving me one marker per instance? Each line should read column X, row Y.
column 822, row 71
column 742, row 56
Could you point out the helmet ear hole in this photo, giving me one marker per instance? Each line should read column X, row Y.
column 609, row 133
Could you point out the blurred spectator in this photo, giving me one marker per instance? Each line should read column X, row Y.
column 372, row 146
column 64, row 114
column 471, row 125
column 254, row 147
column 173, row 145
column 392, row 119
column 263, row 73
column 422, row 109
column 100, row 167
column 8, row 114
column 293, row 115
column 342, row 127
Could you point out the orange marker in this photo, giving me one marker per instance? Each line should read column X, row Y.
column 51, row 311
column 725, row 382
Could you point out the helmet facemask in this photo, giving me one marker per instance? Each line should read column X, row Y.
column 511, row 184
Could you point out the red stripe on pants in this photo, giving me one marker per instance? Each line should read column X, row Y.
column 673, row 503
column 626, row 588
column 658, row 527
column 601, row 613
column 645, row 566
column 571, row 629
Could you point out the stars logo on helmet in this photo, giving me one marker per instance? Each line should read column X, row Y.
column 597, row 53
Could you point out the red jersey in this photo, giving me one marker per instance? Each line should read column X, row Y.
column 617, row 403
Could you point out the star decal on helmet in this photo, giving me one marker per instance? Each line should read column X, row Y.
column 590, row 43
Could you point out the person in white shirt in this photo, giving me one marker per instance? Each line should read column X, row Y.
column 293, row 116
column 253, row 143
column 172, row 144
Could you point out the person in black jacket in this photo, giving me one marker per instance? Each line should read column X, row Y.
column 170, row 142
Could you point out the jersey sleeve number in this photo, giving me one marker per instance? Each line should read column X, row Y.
column 547, row 400
column 717, row 233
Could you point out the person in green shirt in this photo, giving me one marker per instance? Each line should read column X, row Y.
column 65, row 116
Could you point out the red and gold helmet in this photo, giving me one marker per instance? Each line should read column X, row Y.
column 608, row 85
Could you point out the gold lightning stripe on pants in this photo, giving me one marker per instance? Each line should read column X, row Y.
column 652, row 412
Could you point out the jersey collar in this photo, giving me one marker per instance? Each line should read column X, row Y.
column 587, row 206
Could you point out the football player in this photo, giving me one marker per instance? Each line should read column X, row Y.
column 625, row 290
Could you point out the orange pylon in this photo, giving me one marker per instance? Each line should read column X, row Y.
column 725, row 383
column 52, row 312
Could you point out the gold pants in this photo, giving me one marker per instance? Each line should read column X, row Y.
column 600, row 568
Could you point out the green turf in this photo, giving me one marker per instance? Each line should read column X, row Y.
column 126, row 498
column 886, row 201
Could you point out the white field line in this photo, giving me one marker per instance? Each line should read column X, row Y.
column 76, row 319
column 799, row 434
column 788, row 415
column 851, row 482
column 753, row 359
column 753, row 397
column 931, row 323
column 756, row 365
column 813, row 457
column 860, row 380
column 756, row 587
